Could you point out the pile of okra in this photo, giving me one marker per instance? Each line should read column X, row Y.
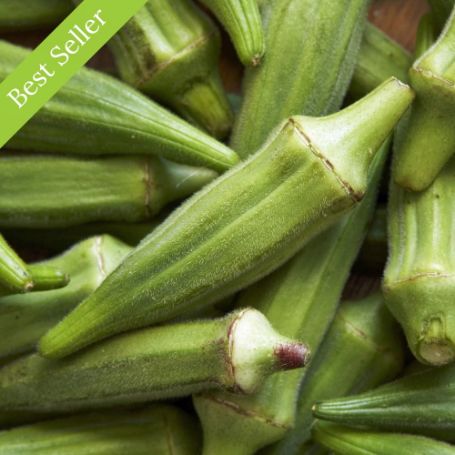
column 197, row 289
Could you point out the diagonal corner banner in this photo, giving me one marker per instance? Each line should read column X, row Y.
column 42, row 73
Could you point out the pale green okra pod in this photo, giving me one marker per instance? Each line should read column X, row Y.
column 236, row 352
column 45, row 191
column 242, row 226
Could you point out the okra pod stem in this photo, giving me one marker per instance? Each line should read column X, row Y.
column 25, row 318
column 18, row 15
column 159, row 429
column 41, row 191
column 430, row 138
column 242, row 226
column 311, row 52
column 422, row 403
column 98, row 115
column 346, row 441
column 170, row 50
column 236, row 352
column 242, row 20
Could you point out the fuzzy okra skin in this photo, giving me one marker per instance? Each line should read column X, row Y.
column 18, row 15
column 25, row 318
column 362, row 349
column 158, row 429
column 96, row 114
column 300, row 299
column 243, row 225
column 170, row 50
column 236, row 352
column 242, row 20
column 311, row 52
column 45, row 191
column 430, row 138
column 421, row 403
column 346, row 441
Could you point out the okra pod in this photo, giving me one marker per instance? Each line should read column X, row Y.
column 242, row 226
column 236, row 352
column 346, row 441
column 430, row 138
column 311, row 52
column 419, row 281
column 170, row 50
column 97, row 114
column 441, row 10
column 422, row 403
column 25, row 318
column 41, row 191
column 242, row 20
column 426, row 35
column 380, row 57
column 362, row 349
column 158, row 429
column 300, row 299
column 18, row 15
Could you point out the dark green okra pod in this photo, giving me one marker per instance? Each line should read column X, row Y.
column 170, row 50
column 362, row 349
column 441, row 10
column 242, row 226
column 422, row 403
column 430, row 138
column 346, row 441
column 242, row 20
column 301, row 299
column 97, row 114
column 25, row 318
column 311, row 52
column 18, row 15
column 419, row 281
column 159, row 429
column 41, row 191
column 236, row 352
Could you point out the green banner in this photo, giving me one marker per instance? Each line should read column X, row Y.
column 58, row 58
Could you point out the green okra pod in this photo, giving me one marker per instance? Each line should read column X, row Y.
column 380, row 57
column 41, row 191
column 242, row 226
column 242, row 20
column 159, row 429
column 97, row 114
column 18, row 15
column 170, row 50
column 300, row 299
column 311, row 52
column 236, row 352
column 430, row 138
column 422, row 403
column 419, row 281
column 441, row 10
column 362, row 349
column 25, row 318
column 426, row 35
column 346, row 441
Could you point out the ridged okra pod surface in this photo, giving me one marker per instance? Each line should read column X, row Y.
column 421, row 403
column 242, row 226
column 430, row 139
column 419, row 281
column 311, row 52
column 25, row 318
column 346, row 441
column 96, row 114
column 170, row 50
column 46, row 191
column 158, row 429
column 362, row 349
column 18, row 15
column 236, row 352
column 242, row 20
column 300, row 298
